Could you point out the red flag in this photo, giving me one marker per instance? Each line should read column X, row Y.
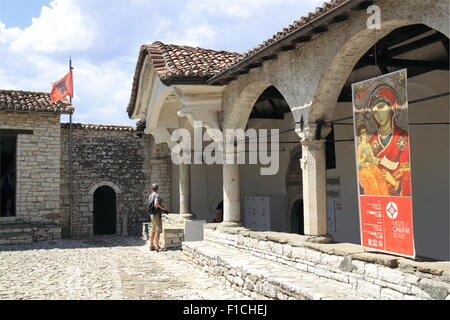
column 62, row 88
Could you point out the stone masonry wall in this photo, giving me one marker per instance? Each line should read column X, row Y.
column 118, row 158
column 378, row 276
column 38, row 169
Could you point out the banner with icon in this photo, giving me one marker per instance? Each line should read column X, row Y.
column 380, row 108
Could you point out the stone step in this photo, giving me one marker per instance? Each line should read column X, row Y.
column 15, row 227
column 254, row 275
column 16, row 238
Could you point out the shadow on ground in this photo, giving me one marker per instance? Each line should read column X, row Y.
column 91, row 242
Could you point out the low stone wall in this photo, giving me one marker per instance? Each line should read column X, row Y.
column 22, row 233
column 173, row 234
column 379, row 276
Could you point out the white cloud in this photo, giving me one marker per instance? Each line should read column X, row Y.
column 240, row 8
column 197, row 36
column 7, row 34
column 103, row 37
column 60, row 27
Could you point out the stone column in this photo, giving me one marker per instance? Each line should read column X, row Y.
column 313, row 165
column 231, row 195
column 185, row 191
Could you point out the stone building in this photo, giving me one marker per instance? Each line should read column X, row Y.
column 30, row 134
column 113, row 167
column 108, row 170
column 299, row 81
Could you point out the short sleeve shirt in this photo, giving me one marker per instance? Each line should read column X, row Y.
column 156, row 198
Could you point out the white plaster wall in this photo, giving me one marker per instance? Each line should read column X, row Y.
column 255, row 184
column 430, row 169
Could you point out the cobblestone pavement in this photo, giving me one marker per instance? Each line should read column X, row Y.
column 103, row 268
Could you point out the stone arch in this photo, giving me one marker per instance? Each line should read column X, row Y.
column 342, row 64
column 105, row 211
column 241, row 108
column 121, row 218
column 94, row 186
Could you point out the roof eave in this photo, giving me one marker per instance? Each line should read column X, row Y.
column 305, row 30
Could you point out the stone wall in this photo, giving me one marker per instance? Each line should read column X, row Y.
column 119, row 157
column 378, row 276
column 38, row 170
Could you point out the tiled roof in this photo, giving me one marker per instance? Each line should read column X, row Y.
column 97, row 127
column 293, row 28
column 296, row 25
column 26, row 101
column 190, row 64
column 180, row 63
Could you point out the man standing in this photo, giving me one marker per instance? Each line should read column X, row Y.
column 156, row 208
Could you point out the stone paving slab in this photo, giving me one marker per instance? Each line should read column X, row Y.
column 274, row 277
column 103, row 268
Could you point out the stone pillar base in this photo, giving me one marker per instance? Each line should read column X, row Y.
column 188, row 216
column 231, row 224
column 320, row 239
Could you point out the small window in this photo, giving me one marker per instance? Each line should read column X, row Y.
column 8, row 147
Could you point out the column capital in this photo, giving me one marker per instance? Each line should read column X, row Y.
column 313, row 143
column 310, row 131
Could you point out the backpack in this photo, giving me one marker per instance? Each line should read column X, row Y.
column 151, row 207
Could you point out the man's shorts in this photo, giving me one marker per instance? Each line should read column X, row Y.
column 157, row 223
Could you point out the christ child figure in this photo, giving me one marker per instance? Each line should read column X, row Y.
column 366, row 158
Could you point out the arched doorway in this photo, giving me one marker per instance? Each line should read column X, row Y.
column 269, row 116
column 105, row 211
column 297, row 218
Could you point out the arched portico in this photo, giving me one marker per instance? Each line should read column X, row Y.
column 421, row 48
column 354, row 39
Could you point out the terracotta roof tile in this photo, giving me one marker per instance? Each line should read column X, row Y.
column 173, row 62
column 26, row 101
column 293, row 27
column 180, row 63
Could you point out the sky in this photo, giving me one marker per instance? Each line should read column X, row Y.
column 103, row 37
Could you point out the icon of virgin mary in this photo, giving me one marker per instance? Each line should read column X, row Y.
column 390, row 173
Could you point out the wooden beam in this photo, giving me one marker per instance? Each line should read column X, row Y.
column 288, row 47
column 303, row 39
column 404, row 34
column 416, row 44
column 320, row 29
column 15, row 132
column 445, row 43
column 244, row 71
column 340, row 18
column 346, row 93
column 403, row 63
column 258, row 115
column 271, row 57
column 255, row 65
column 362, row 6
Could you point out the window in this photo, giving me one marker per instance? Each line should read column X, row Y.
column 8, row 144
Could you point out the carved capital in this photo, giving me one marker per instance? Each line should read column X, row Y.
column 309, row 132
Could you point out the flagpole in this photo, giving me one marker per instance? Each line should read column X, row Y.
column 70, row 163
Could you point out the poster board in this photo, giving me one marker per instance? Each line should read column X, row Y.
column 382, row 143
